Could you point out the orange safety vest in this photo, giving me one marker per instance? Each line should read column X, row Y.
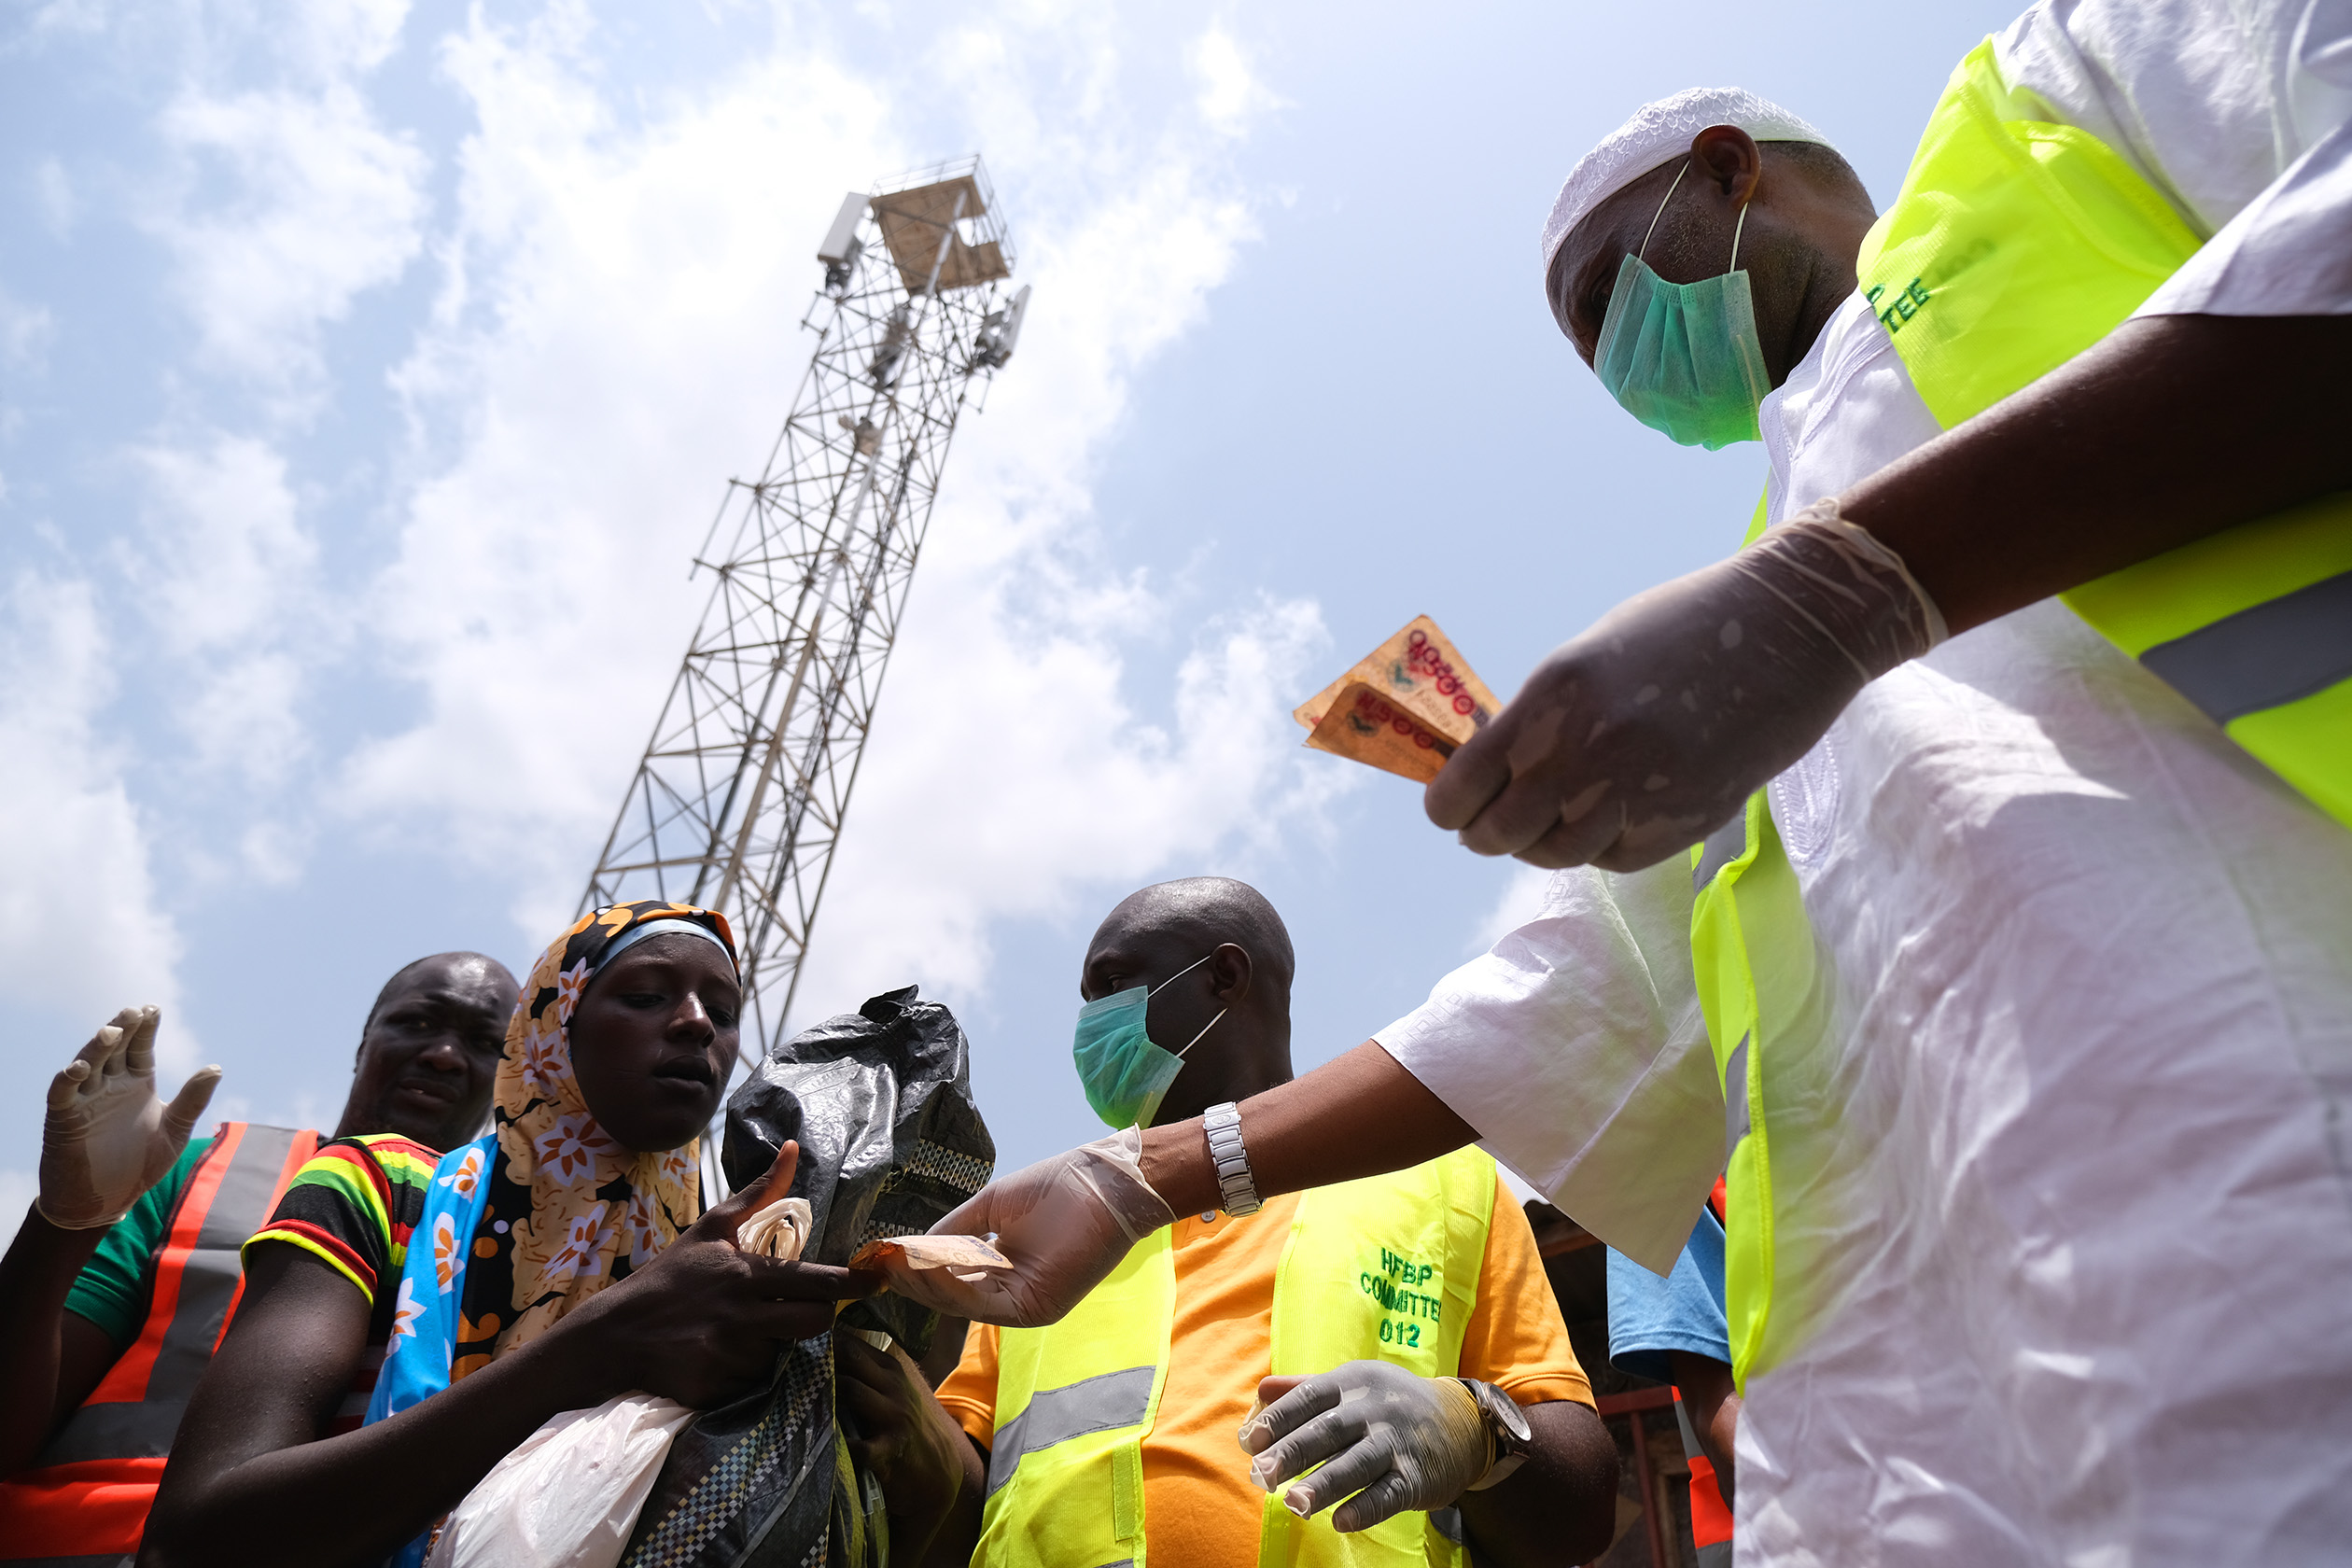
column 84, row 1503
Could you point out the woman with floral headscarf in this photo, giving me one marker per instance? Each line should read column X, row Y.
column 570, row 1263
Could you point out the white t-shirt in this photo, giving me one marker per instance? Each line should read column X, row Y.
column 2086, row 1257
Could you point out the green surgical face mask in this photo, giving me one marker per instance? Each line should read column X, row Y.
column 1683, row 358
column 1125, row 1075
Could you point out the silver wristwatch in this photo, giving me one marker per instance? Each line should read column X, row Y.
column 1223, row 1122
column 1507, row 1429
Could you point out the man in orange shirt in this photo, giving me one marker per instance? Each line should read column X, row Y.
column 1398, row 1331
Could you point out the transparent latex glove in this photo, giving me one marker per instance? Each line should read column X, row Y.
column 1062, row 1224
column 107, row 1138
column 1387, row 1441
column 1647, row 732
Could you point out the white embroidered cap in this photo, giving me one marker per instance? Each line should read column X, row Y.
column 1659, row 133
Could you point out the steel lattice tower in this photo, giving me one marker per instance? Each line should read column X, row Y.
column 738, row 803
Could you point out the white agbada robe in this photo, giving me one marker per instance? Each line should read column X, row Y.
column 2085, row 1262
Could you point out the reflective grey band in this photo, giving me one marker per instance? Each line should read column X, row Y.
column 1721, row 848
column 1103, row 1403
column 1735, row 1105
column 2264, row 656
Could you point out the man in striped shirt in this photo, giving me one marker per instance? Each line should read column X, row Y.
column 74, row 1300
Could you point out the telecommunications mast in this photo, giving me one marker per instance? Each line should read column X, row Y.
column 738, row 803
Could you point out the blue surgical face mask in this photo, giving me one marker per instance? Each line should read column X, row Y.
column 1124, row 1074
column 1683, row 358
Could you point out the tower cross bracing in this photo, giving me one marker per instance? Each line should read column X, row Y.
column 738, row 801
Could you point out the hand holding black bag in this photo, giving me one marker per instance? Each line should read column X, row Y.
column 880, row 1102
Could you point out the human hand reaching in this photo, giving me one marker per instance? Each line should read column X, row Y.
column 1647, row 732
column 1064, row 1223
column 107, row 1138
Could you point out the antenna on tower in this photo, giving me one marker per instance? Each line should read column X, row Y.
column 739, row 799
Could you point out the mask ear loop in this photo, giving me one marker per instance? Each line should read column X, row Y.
column 1180, row 974
column 1737, row 230
column 1187, row 969
column 1642, row 254
column 1204, row 1031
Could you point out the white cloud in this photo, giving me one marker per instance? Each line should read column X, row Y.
column 53, row 194
column 81, row 929
column 1008, row 773
column 1231, row 94
column 321, row 201
column 226, row 575
column 618, row 331
column 25, row 334
column 274, row 852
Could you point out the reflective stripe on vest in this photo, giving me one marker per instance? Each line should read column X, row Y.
column 1385, row 1268
column 2014, row 246
column 87, row 1496
column 1091, row 1405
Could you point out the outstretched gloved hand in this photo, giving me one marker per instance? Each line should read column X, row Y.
column 1387, row 1440
column 1062, row 1224
column 107, row 1138
column 1646, row 733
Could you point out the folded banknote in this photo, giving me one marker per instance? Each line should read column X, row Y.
column 1404, row 709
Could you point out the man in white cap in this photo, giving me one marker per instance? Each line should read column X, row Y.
column 2023, row 954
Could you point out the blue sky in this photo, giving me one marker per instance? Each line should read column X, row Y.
column 368, row 372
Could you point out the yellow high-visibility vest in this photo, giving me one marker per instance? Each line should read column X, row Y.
column 1385, row 1268
column 2014, row 246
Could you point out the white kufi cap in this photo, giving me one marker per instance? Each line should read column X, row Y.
column 1656, row 134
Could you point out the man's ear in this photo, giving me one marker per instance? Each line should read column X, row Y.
column 1231, row 968
column 1730, row 158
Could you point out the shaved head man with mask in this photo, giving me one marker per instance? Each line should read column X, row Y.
column 1399, row 1332
column 1978, row 874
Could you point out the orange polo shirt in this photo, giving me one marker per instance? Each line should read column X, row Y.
column 1196, row 1484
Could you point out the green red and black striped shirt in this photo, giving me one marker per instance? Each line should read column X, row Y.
column 353, row 1207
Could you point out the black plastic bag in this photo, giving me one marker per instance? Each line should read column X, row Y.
column 880, row 1100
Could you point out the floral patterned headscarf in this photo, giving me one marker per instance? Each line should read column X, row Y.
column 568, row 1209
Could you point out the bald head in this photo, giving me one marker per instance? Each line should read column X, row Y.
column 1211, row 911
column 1219, row 964
column 428, row 1052
column 457, row 967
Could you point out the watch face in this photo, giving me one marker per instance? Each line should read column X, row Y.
column 1507, row 1413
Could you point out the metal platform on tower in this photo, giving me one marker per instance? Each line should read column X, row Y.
column 739, row 799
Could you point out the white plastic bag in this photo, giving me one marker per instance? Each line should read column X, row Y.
column 569, row 1496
